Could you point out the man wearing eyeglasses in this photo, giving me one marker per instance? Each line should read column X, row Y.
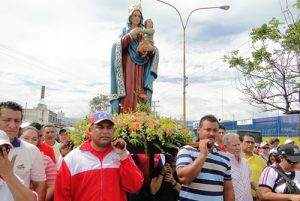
column 272, row 185
column 255, row 162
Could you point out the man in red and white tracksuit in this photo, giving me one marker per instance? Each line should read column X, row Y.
column 98, row 170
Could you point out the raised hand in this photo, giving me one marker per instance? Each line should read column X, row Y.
column 119, row 147
column 6, row 166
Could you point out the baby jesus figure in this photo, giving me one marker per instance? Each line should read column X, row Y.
column 146, row 45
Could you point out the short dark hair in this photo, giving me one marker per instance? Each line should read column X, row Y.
column 209, row 117
column 62, row 131
column 11, row 105
column 36, row 125
column 273, row 140
column 222, row 127
column 249, row 135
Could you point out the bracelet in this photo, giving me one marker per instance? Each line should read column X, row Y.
column 174, row 184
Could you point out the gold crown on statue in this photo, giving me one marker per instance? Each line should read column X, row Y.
column 135, row 6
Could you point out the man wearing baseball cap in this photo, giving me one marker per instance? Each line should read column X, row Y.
column 11, row 188
column 99, row 169
column 265, row 151
column 273, row 186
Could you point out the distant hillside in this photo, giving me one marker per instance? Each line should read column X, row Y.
column 71, row 120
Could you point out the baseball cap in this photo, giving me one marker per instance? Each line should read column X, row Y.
column 291, row 152
column 289, row 141
column 101, row 116
column 62, row 131
column 263, row 144
column 4, row 139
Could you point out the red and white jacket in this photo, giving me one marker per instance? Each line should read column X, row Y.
column 88, row 175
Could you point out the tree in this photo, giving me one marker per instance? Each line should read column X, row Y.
column 270, row 77
column 99, row 103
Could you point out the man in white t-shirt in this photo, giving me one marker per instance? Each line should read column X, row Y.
column 29, row 164
column 11, row 187
column 272, row 186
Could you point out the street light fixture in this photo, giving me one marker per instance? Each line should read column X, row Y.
column 184, row 25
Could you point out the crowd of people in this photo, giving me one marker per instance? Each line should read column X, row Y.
column 35, row 165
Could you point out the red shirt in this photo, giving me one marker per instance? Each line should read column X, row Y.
column 222, row 148
column 47, row 150
column 143, row 164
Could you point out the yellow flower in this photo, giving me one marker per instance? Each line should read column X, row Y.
column 133, row 134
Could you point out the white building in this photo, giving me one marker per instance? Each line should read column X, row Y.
column 43, row 115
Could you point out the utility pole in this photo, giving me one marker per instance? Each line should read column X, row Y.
column 184, row 25
column 154, row 106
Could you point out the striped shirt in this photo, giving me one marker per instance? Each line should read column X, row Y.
column 272, row 180
column 50, row 170
column 209, row 183
column 241, row 178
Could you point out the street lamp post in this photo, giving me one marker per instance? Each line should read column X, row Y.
column 184, row 25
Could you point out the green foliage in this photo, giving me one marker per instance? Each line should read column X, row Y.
column 267, row 31
column 80, row 132
column 270, row 77
column 297, row 4
column 143, row 104
column 99, row 103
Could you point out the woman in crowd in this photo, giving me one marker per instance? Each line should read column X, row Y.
column 165, row 184
column 273, row 159
column 31, row 135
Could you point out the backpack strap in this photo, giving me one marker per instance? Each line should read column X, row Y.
column 289, row 182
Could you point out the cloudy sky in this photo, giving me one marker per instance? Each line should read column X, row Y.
column 65, row 45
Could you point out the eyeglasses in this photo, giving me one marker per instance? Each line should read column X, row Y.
column 265, row 147
column 249, row 142
column 290, row 162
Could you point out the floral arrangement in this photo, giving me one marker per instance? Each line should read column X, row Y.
column 142, row 129
column 142, row 101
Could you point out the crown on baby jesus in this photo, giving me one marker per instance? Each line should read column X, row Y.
column 135, row 6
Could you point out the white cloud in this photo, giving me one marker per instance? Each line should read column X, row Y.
column 66, row 46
